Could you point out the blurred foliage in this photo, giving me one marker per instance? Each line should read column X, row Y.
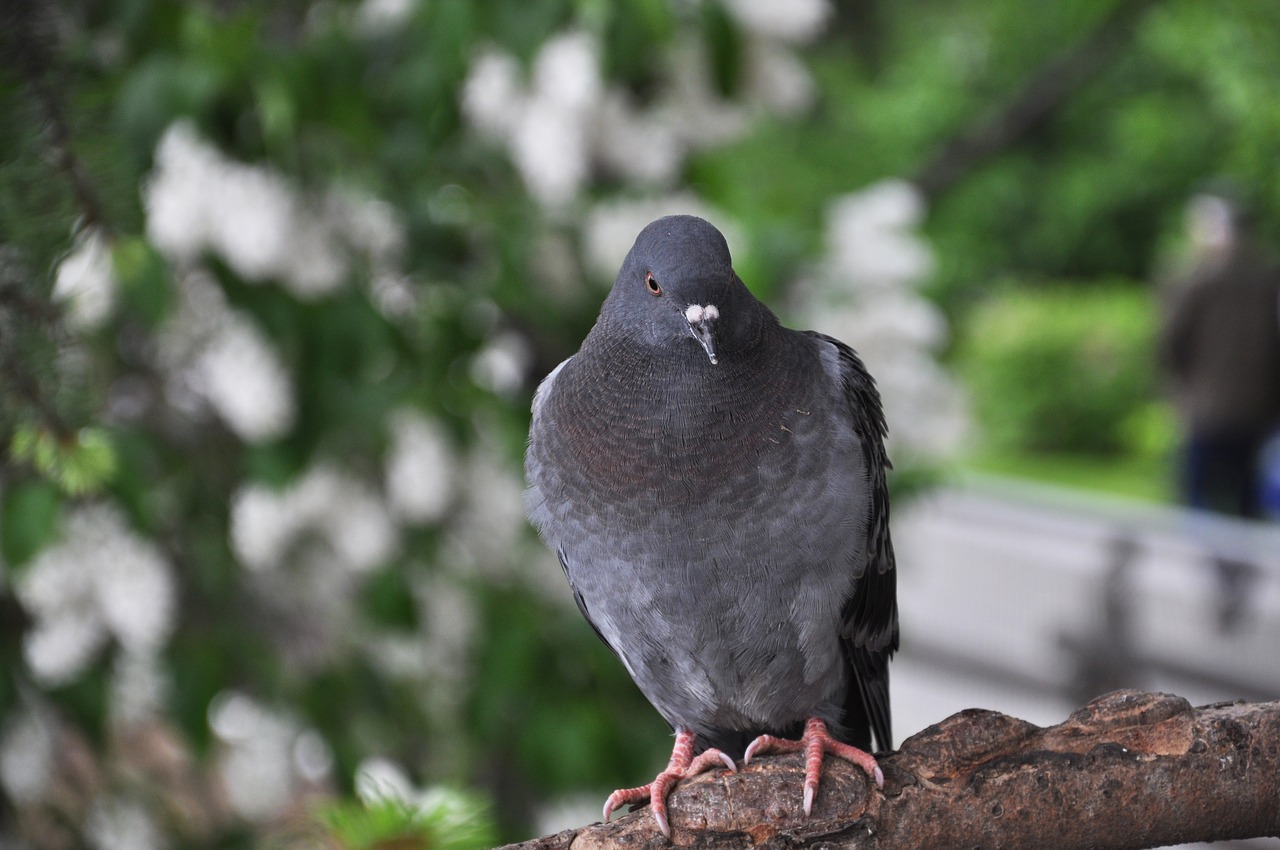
column 441, row 821
column 530, row 707
column 1058, row 369
column 78, row 465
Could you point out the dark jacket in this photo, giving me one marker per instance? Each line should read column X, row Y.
column 1220, row 346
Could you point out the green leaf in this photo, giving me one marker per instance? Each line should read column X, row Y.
column 28, row 520
column 724, row 46
column 388, row 601
column 80, row 464
column 143, row 278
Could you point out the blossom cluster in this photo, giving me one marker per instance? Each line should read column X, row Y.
column 865, row 290
column 566, row 123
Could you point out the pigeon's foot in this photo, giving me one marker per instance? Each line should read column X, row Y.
column 816, row 742
column 682, row 765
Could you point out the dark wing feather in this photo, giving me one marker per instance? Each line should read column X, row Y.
column 582, row 603
column 870, row 617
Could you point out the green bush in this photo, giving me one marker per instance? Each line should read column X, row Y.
column 1061, row 368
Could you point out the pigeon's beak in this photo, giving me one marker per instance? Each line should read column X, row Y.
column 701, row 319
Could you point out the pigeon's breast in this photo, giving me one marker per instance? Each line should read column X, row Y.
column 645, row 438
column 643, row 451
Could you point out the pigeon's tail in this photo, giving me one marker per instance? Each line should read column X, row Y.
column 868, row 650
column 867, row 703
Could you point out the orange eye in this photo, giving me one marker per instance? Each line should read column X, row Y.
column 652, row 283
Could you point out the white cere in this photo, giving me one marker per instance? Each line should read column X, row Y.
column 699, row 313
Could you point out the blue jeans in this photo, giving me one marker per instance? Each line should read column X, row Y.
column 1220, row 473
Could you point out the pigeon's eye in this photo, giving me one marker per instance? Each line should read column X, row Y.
column 652, row 283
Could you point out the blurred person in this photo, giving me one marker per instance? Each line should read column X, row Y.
column 1219, row 352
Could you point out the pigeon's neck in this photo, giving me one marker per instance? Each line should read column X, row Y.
column 636, row 420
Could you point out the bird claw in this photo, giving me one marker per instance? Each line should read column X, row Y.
column 815, row 743
column 681, row 766
column 770, row 744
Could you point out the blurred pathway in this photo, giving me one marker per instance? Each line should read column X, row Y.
column 1030, row 600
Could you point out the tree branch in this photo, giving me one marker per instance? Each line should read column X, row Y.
column 1129, row 770
column 1042, row 93
column 28, row 40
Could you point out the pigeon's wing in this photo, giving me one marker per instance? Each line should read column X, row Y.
column 582, row 603
column 544, row 388
column 870, row 617
column 534, row 506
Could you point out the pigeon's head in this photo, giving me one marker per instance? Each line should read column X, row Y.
column 677, row 288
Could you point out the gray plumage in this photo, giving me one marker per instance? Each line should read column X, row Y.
column 714, row 485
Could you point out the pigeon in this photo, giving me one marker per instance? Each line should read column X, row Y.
column 714, row 486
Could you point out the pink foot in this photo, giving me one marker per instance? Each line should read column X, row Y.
column 681, row 766
column 816, row 741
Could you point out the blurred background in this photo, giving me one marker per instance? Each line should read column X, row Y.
column 278, row 280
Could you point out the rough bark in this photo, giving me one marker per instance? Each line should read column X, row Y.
column 1129, row 770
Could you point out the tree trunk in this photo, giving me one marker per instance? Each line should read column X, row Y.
column 1129, row 770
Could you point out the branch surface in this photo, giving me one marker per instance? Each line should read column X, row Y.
column 1128, row 770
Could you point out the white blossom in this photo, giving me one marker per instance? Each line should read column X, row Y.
column 484, row 533
column 215, row 360
column 552, row 134
column 888, row 321
column 312, row 757
column 870, row 236
column 119, row 824
column 100, row 580
column 266, row 229
column 175, row 195
column 60, row 646
column 377, row 17
column 565, row 122
column 315, row 263
column 349, row 515
column 643, row 145
column 439, row 651
column 793, row 21
column 85, row 281
column 692, row 104
column 256, row 764
column 393, row 295
column 501, row 365
column 262, row 526
column 26, row 757
column 369, row 225
column 420, row 468
column 136, row 595
column 325, row 503
column 865, row 295
column 253, row 220
column 567, row 71
column 198, row 199
column 451, row 621
column 138, row 688
column 492, row 94
column 200, row 313
column 245, row 381
column 550, row 150
column 780, row 80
